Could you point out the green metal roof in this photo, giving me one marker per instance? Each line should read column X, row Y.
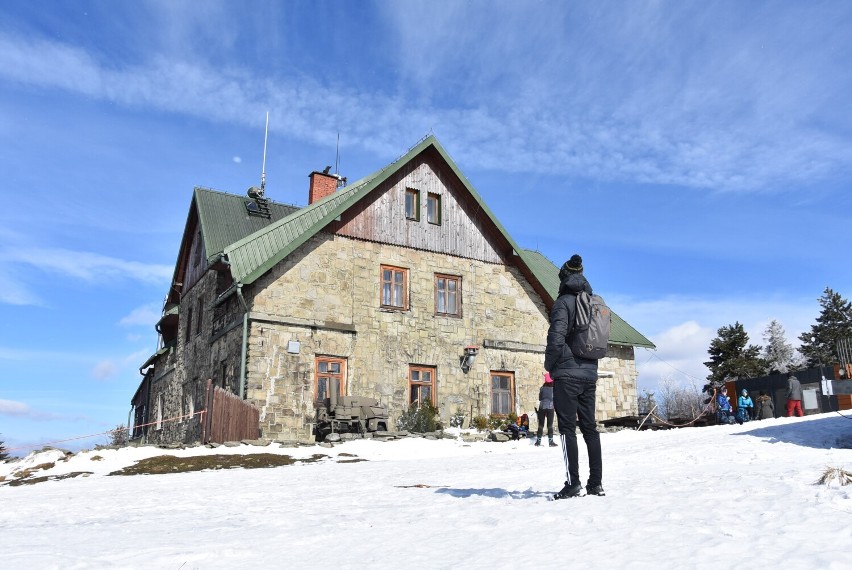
column 155, row 356
column 259, row 252
column 548, row 275
column 255, row 254
column 224, row 218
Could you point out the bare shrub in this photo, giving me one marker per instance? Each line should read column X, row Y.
column 118, row 436
column 835, row 474
column 677, row 400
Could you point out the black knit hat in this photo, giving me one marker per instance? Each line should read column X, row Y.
column 573, row 265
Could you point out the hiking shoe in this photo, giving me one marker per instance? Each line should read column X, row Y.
column 595, row 490
column 538, row 442
column 553, row 444
column 569, row 491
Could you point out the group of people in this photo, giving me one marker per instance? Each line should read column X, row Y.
column 746, row 408
column 765, row 407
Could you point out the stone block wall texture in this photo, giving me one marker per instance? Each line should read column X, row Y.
column 177, row 390
column 326, row 297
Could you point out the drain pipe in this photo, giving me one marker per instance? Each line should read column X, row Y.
column 245, row 341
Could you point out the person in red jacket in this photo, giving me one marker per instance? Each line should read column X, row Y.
column 794, row 397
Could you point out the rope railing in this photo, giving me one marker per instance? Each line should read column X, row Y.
column 109, row 432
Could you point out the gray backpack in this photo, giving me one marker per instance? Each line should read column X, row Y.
column 592, row 322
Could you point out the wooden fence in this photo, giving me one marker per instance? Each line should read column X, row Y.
column 228, row 417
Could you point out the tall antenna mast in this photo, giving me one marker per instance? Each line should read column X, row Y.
column 337, row 156
column 263, row 171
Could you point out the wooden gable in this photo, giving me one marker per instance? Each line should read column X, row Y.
column 462, row 229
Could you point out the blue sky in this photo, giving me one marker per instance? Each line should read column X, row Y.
column 697, row 154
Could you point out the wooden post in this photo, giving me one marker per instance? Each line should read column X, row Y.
column 208, row 409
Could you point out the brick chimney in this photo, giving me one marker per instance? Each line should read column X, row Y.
column 322, row 184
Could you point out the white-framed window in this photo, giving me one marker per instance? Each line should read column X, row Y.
column 159, row 424
column 189, row 400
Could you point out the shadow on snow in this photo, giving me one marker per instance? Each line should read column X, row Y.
column 830, row 432
column 494, row 493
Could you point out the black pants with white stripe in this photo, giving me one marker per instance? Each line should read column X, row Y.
column 575, row 399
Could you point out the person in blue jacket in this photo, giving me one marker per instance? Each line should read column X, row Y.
column 745, row 406
column 723, row 405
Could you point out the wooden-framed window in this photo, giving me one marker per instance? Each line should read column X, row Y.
column 329, row 369
column 412, row 204
column 394, row 287
column 448, row 295
column 433, row 209
column 421, row 383
column 502, row 393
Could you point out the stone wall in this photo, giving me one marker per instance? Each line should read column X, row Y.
column 326, row 298
column 180, row 377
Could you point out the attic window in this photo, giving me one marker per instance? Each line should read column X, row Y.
column 433, row 209
column 258, row 207
column 412, row 204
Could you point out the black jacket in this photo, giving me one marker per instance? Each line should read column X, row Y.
column 558, row 358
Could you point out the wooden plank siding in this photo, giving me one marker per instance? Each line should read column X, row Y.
column 228, row 418
column 381, row 216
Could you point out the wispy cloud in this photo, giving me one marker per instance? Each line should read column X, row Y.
column 105, row 370
column 112, row 368
column 643, row 95
column 144, row 316
column 14, row 292
column 22, row 410
column 12, row 408
column 87, row 266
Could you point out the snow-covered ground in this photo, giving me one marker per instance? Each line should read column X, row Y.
column 713, row 497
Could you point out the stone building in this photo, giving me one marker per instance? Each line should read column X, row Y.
column 402, row 286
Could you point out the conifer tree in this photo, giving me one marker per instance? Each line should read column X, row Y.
column 777, row 352
column 3, row 453
column 732, row 357
column 819, row 345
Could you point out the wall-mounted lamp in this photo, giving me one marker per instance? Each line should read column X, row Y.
column 466, row 361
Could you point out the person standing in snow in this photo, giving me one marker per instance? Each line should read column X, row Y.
column 745, row 406
column 794, row 397
column 765, row 406
column 574, row 383
column 544, row 412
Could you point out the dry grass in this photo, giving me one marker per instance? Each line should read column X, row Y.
column 832, row 474
column 171, row 464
